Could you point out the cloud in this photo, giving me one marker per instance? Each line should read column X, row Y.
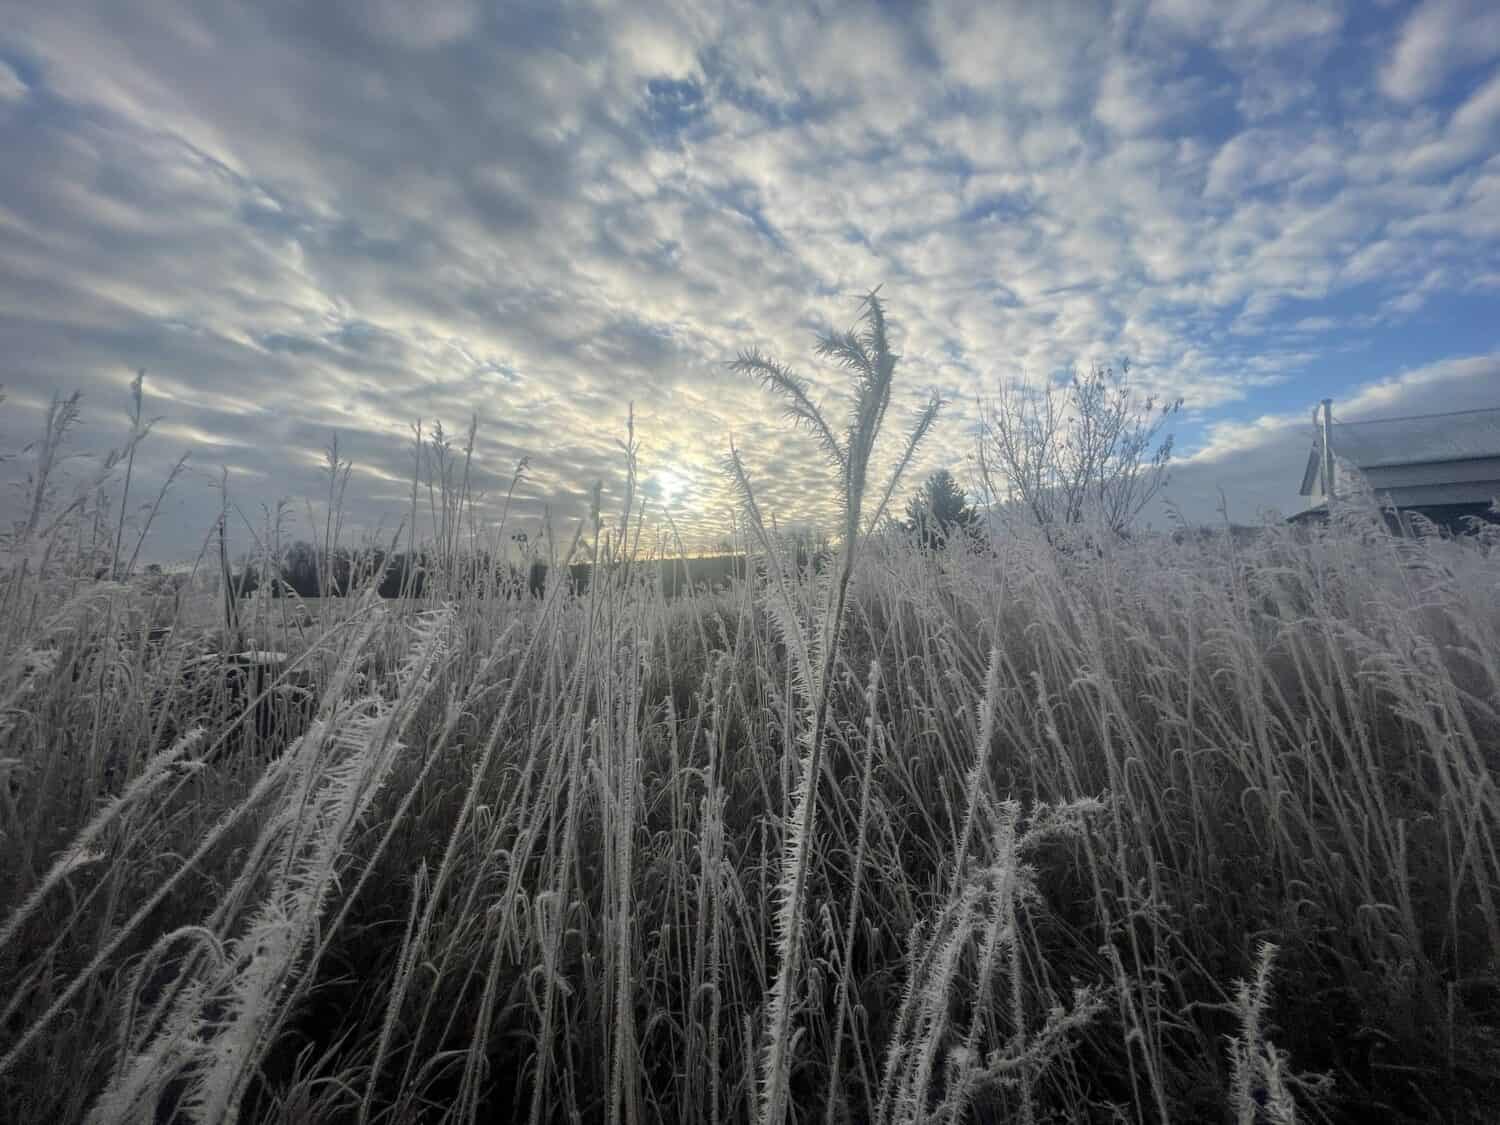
column 1472, row 130
column 1037, row 54
column 12, row 89
column 430, row 26
column 1440, row 38
column 302, row 219
column 1253, row 24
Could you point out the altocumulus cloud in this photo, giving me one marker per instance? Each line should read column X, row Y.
column 349, row 215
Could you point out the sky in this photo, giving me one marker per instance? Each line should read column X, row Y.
column 302, row 219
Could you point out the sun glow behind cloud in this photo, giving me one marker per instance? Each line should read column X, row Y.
column 308, row 218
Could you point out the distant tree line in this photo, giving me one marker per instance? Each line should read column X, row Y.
column 302, row 572
column 298, row 572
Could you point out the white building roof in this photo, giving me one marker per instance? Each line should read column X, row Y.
column 1422, row 440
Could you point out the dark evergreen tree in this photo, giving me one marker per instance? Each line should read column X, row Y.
column 940, row 510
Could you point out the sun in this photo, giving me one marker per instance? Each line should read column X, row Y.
column 671, row 483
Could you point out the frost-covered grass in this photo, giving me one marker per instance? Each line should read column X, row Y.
column 1188, row 831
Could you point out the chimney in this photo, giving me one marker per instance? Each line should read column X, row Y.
column 1328, row 481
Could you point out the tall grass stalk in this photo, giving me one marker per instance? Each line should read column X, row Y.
column 868, row 356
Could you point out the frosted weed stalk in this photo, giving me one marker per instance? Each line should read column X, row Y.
column 1261, row 1080
column 867, row 355
column 982, row 920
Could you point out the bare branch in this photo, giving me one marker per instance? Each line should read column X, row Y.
column 1087, row 449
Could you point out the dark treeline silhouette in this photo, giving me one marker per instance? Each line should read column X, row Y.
column 298, row 572
column 407, row 575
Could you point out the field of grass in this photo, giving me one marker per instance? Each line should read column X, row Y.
column 1188, row 832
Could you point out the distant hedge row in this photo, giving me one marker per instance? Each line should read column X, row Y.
column 406, row 575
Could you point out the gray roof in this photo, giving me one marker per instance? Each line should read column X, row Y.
column 1424, row 439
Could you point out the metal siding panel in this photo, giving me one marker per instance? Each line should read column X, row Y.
column 1417, row 495
column 1442, row 472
